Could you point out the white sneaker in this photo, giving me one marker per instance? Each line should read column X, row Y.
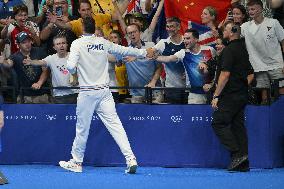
column 71, row 165
column 131, row 166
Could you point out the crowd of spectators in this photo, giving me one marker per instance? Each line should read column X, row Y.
column 36, row 37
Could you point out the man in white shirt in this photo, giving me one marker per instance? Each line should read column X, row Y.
column 262, row 37
column 57, row 63
column 89, row 58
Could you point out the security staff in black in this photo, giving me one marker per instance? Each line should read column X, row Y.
column 230, row 98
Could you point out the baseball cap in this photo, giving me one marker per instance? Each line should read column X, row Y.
column 22, row 36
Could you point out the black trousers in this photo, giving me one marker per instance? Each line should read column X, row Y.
column 228, row 124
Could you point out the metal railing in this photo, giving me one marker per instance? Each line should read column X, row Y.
column 272, row 90
column 275, row 88
column 10, row 88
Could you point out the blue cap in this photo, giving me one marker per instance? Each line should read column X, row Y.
column 22, row 36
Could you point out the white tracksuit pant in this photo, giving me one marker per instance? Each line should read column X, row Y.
column 102, row 102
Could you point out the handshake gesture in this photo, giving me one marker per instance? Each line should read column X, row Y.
column 151, row 53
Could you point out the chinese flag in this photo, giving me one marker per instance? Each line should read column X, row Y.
column 191, row 10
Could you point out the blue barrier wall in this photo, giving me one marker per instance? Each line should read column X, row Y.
column 161, row 135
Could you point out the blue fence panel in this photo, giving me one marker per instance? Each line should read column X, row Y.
column 160, row 135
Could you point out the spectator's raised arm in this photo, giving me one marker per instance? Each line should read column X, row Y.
column 4, row 31
column 156, row 16
column 120, row 6
column 118, row 14
column 34, row 33
column 148, row 5
column 61, row 24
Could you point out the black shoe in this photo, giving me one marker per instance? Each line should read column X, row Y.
column 243, row 167
column 236, row 162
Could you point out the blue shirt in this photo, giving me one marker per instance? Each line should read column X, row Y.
column 191, row 63
column 141, row 71
column 6, row 9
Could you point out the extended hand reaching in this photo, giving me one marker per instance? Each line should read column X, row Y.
column 151, row 53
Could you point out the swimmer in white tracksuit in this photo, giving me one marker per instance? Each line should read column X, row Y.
column 89, row 58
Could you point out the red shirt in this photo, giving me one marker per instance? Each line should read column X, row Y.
column 14, row 33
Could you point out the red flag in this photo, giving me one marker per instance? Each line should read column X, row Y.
column 191, row 10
